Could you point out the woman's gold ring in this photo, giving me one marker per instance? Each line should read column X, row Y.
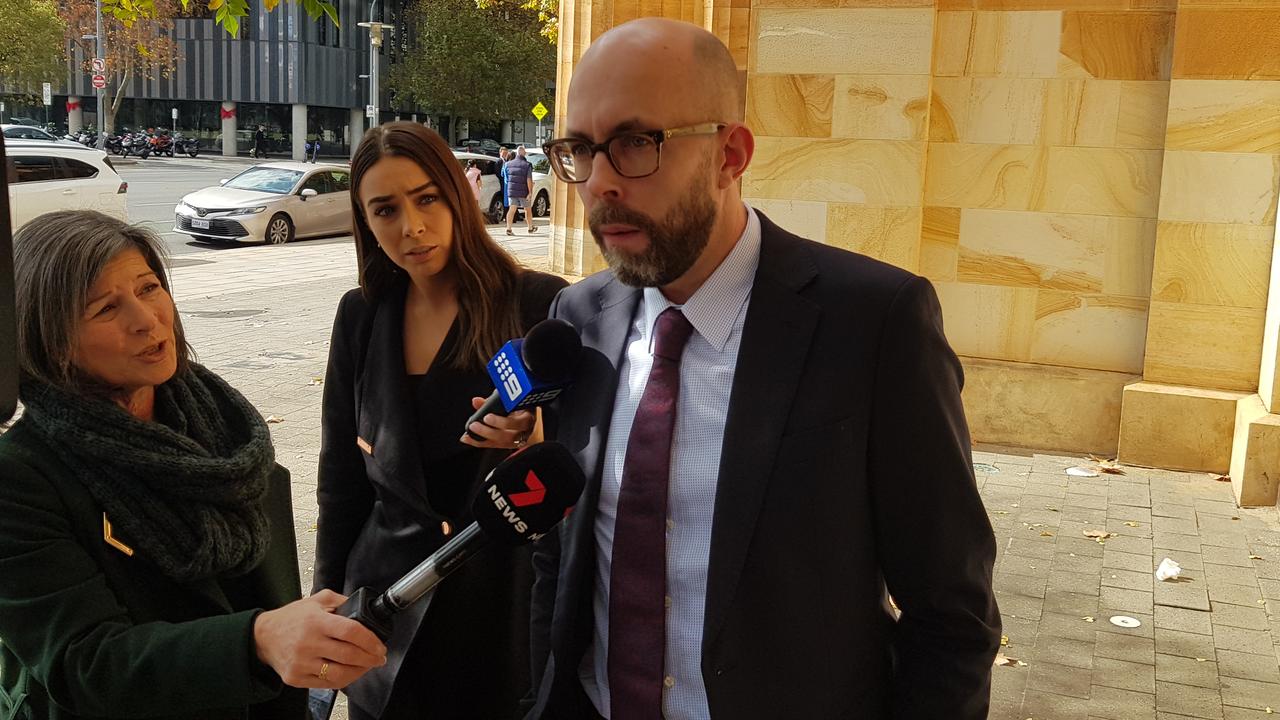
column 324, row 670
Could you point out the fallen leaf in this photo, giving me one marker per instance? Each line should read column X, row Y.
column 1202, row 660
column 316, row 381
column 1255, row 557
column 1223, row 478
column 1086, row 618
column 1001, row 512
column 1045, row 533
column 1052, row 509
column 272, row 419
column 1131, row 524
column 1014, row 505
column 1003, row 661
column 1098, row 535
column 1004, row 641
column 1233, row 517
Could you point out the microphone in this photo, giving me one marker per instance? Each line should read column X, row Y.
column 531, row 371
column 521, row 499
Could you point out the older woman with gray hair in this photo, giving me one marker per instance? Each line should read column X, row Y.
column 147, row 557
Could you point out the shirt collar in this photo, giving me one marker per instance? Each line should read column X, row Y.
column 713, row 308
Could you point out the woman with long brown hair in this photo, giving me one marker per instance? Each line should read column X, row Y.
column 437, row 299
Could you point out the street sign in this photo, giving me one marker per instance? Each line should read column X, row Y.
column 99, row 81
column 175, row 113
column 369, row 111
column 539, row 111
column 99, row 65
column 48, row 94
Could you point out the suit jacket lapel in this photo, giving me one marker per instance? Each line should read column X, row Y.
column 586, row 431
column 386, row 415
column 775, row 340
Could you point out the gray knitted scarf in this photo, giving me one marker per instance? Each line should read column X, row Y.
column 185, row 491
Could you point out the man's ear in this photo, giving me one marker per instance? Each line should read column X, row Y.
column 739, row 146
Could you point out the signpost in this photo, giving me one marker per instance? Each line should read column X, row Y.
column 47, row 92
column 539, row 111
column 370, row 111
column 99, row 81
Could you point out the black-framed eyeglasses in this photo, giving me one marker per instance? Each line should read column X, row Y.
column 632, row 154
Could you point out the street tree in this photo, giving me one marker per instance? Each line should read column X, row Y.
column 142, row 48
column 227, row 13
column 548, row 12
column 31, row 47
column 481, row 64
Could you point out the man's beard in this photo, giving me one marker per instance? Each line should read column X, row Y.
column 675, row 243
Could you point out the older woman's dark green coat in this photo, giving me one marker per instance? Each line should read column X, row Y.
column 88, row 631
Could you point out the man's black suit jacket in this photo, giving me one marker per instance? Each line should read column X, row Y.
column 845, row 477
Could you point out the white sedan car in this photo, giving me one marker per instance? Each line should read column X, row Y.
column 272, row 203
column 46, row 176
column 491, row 188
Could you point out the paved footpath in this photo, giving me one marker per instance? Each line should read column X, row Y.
column 1207, row 644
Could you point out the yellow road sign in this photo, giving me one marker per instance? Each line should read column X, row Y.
column 539, row 111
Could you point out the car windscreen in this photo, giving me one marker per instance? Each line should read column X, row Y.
column 272, row 180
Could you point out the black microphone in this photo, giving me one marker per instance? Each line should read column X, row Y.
column 522, row 499
column 531, row 371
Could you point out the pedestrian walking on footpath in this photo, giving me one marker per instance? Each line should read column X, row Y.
column 519, row 189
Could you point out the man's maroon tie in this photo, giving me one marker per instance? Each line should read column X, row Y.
column 638, row 579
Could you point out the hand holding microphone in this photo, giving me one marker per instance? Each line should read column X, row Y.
column 310, row 647
column 521, row 500
column 526, row 373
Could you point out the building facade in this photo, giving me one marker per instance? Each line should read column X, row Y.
column 1091, row 186
column 301, row 78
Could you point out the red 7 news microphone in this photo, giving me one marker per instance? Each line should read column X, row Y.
column 521, row 500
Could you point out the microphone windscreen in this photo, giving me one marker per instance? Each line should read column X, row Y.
column 528, row 493
column 551, row 350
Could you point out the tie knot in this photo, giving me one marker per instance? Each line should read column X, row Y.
column 670, row 333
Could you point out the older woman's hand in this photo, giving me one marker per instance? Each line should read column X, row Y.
column 499, row 431
column 310, row 647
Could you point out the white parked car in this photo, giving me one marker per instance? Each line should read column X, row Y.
column 30, row 132
column 44, row 177
column 491, row 188
column 490, row 185
column 543, row 182
column 272, row 202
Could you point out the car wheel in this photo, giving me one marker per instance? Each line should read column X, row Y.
column 495, row 209
column 279, row 230
column 541, row 205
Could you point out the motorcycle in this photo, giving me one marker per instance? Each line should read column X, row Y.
column 138, row 144
column 162, row 144
column 190, row 146
column 114, row 144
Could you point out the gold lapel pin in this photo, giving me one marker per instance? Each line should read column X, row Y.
column 106, row 535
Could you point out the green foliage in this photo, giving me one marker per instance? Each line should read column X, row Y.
column 548, row 12
column 476, row 63
column 31, row 47
column 227, row 13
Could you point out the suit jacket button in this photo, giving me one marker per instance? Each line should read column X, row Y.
column 445, row 528
column 719, row 672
